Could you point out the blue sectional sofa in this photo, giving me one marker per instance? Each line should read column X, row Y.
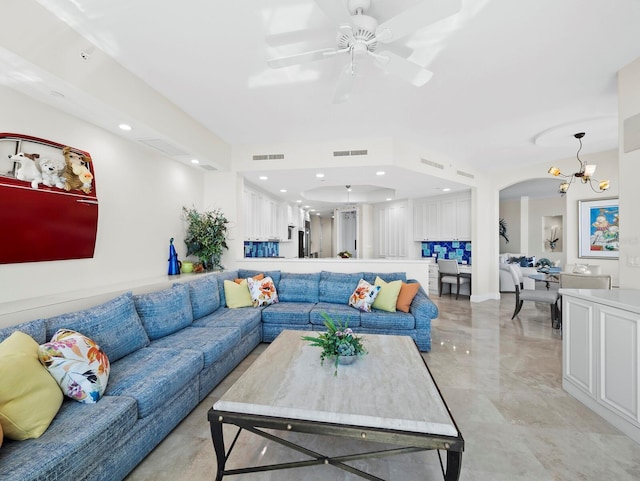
column 168, row 349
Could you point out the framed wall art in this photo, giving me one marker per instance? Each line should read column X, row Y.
column 598, row 225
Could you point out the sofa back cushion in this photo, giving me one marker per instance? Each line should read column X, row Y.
column 370, row 277
column 298, row 287
column 36, row 329
column 114, row 326
column 275, row 275
column 164, row 312
column 204, row 295
column 336, row 287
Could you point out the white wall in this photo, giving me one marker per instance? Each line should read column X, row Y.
column 140, row 194
column 510, row 212
column 629, row 105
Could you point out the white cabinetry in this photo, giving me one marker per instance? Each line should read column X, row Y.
column 265, row 218
column 442, row 218
column 392, row 230
column 601, row 353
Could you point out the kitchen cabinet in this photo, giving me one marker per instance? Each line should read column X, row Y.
column 265, row 218
column 601, row 353
column 392, row 230
column 442, row 218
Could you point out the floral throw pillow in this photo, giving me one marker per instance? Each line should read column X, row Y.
column 77, row 363
column 263, row 291
column 364, row 295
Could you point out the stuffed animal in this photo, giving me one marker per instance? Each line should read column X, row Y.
column 76, row 175
column 51, row 170
column 28, row 170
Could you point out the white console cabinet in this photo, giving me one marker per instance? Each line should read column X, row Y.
column 601, row 353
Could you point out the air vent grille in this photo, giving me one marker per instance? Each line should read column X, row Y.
column 347, row 153
column 164, row 147
column 465, row 174
column 208, row 167
column 432, row 164
column 268, row 157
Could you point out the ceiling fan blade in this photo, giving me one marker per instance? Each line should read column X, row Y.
column 301, row 58
column 403, row 68
column 336, row 10
column 416, row 17
column 344, row 88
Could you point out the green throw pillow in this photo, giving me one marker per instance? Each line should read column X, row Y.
column 237, row 295
column 388, row 295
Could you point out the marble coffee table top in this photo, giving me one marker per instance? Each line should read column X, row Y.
column 388, row 388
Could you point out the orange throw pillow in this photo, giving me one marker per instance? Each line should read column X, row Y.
column 407, row 293
column 257, row 277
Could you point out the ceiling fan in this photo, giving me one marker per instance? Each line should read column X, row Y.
column 359, row 36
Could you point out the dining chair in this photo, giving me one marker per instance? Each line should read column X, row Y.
column 449, row 273
column 535, row 295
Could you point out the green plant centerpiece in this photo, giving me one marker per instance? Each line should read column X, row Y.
column 206, row 236
column 339, row 342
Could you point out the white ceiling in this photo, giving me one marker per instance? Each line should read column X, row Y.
column 507, row 74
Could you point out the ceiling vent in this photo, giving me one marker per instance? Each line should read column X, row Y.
column 268, row 157
column 347, row 153
column 432, row 164
column 164, row 147
column 465, row 174
column 208, row 167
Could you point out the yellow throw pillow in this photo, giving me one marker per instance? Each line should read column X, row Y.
column 237, row 295
column 29, row 397
column 388, row 295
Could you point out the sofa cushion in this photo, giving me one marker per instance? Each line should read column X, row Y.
column 407, row 292
column 363, row 296
column 164, row 312
column 114, row 326
column 275, row 275
column 204, row 295
column 153, row 375
column 388, row 296
column 337, row 287
column 263, row 292
column 244, row 319
column 298, row 287
column 221, row 277
column 212, row 343
column 77, row 437
column 339, row 312
column 377, row 319
column 29, row 396
column 237, row 295
column 287, row 313
column 370, row 277
column 35, row 329
column 78, row 365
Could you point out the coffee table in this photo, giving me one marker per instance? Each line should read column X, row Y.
column 388, row 396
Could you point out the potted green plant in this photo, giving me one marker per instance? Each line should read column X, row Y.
column 339, row 343
column 206, row 236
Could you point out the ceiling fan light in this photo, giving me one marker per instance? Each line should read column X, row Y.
column 554, row 171
column 604, row 185
column 589, row 170
column 564, row 187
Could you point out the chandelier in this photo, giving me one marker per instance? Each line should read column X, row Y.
column 585, row 174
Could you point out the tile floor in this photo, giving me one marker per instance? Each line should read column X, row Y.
column 502, row 382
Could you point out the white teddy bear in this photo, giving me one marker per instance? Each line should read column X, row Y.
column 51, row 170
column 28, row 170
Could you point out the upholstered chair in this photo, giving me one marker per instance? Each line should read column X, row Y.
column 448, row 273
column 535, row 295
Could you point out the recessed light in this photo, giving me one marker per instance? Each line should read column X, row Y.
column 318, row 213
column 307, row 206
column 195, row 161
column 263, row 177
column 299, row 201
column 389, row 198
column 380, row 172
column 312, row 210
column 319, row 176
column 446, row 189
column 125, row 127
column 283, row 190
